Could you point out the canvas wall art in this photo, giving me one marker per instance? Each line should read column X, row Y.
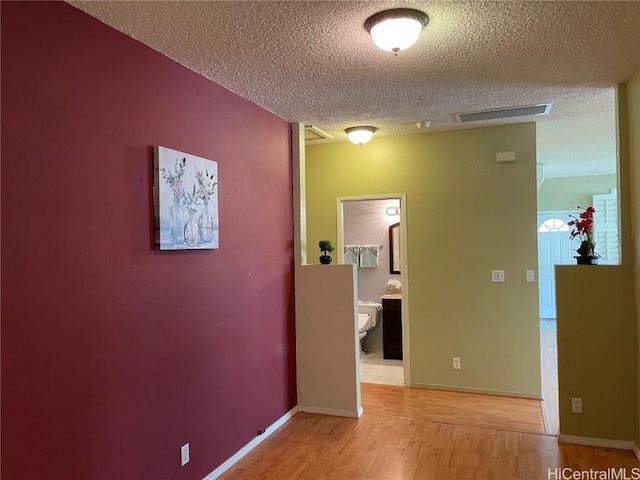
column 185, row 200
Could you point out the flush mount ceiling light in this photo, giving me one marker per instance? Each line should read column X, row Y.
column 360, row 135
column 396, row 29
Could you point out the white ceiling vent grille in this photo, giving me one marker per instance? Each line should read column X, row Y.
column 314, row 133
column 502, row 113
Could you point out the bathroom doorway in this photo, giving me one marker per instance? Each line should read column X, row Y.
column 377, row 223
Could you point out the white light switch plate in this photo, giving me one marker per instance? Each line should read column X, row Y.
column 531, row 276
column 184, row 454
column 497, row 276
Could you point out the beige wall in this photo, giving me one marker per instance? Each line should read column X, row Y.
column 633, row 91
column 327, row 341
column 567, row 193
column 466, row 215
column 598, row 324
column 596, row 351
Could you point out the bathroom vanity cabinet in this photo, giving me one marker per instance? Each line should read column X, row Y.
column 392, row 327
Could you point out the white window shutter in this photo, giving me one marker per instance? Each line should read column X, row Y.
column 606, row 227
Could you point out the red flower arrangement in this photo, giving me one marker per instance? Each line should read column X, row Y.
column 583, row 229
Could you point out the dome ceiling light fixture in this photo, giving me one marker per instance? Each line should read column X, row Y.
column 360, row 135
column 396, row 29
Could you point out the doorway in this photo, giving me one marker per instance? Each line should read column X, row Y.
column 365, row 223
column 554, row 248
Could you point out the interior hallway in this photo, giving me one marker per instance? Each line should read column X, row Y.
column 418, row 434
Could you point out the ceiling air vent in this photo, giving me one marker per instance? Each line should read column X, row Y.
column 314, row 133
column 502, row 113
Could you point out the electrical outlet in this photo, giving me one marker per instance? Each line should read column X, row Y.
column 184, row 454
column 497, row 276
column 456, row 363
column 576, row 405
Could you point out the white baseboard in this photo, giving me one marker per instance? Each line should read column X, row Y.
column 636, row 450
column 599, row 442
column 251, row 445
column 500, row 393
column 331, row 411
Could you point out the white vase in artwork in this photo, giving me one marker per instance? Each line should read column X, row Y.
column 177, row 221
column 191, row 231
column 206, row 224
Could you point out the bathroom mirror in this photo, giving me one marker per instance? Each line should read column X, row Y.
column 394, row 248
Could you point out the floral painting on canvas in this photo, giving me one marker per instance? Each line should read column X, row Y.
column 185, row 200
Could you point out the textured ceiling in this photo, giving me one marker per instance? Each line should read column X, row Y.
column 313, row 62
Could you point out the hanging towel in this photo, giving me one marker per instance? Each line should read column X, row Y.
column 369, row 255
column 352, row 254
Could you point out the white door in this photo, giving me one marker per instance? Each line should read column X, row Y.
column 554, row 248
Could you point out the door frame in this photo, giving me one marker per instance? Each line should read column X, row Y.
column 404, row 273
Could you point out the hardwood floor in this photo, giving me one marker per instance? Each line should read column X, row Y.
column 469, row 409
column 400, row 437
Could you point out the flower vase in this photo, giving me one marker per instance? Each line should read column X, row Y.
column 206, row 225
column 191, row 231
column 586, row 252
column 586, row 259
column 177, row 221
column 325, row 259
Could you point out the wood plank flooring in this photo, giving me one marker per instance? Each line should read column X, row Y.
column 473, row 410
column 424, row 434
column 549, row 362
column 402, row 443
column 386, row 448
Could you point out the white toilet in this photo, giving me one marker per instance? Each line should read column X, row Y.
column 367, row 318
column 364, row 324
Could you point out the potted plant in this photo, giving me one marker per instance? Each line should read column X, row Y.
column 325, row 246
column 583, row 231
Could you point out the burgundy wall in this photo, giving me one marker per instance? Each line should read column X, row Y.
column 114, row 355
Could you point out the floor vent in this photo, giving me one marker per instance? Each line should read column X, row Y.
column 501, row 113
column 314, row 133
